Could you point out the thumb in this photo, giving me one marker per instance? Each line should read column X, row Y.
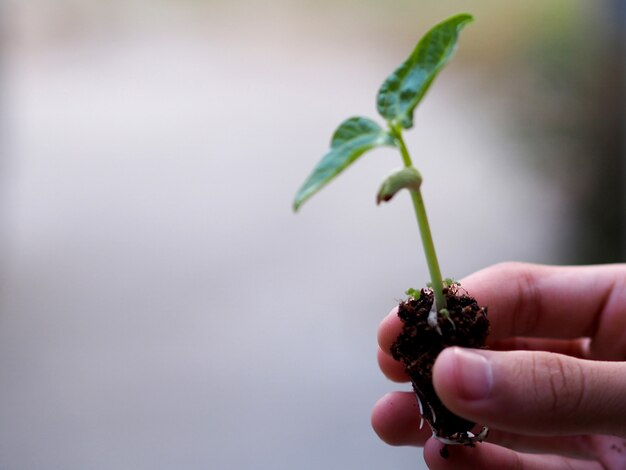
column 533, row 392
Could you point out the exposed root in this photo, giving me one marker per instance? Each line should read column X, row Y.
column 419, row 402
column 463, row 438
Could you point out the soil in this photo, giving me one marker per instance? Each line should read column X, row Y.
column 419, row 344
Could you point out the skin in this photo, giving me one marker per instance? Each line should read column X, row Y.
column 552, row 386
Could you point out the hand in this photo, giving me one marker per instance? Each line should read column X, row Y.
column 552, row 387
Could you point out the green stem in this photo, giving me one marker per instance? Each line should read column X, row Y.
column 424, row 228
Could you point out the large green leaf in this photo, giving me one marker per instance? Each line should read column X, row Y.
column 405, row 87
column 353, row 138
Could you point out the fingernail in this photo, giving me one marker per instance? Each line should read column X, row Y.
column 473, row 373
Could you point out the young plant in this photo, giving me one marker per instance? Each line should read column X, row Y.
column 397, row 99
column 441, row 315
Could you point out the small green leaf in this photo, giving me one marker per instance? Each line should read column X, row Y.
column 406, row 178
column 415, row 293
column 353, row 138
column 405, row 87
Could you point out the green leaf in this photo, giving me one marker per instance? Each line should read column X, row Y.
column 405, row 87
column 415, row 293
column 353, row 138
column 406, row 178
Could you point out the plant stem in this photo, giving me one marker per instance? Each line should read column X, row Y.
column 424, row 228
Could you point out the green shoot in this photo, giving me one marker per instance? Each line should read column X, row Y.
column 415, row 293
column 397, row 99
column 449, row 282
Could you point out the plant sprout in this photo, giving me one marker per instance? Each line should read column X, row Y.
column 397, row 99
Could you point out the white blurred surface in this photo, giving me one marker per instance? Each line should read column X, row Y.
column 160, row 305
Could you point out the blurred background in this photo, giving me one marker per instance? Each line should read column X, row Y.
column 160, row 305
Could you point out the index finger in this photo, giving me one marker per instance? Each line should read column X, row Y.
column 563, row 302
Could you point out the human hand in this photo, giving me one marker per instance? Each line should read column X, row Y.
column 552, row 388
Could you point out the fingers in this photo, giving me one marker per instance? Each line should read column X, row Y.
column 555, row 302
column 575, row 347
column 392, row 369
column 533, row 392
column 388, row 330
column 396, row 420
column 577, row 447
column 492, row 457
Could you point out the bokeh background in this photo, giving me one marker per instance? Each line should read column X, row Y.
column 160, row 305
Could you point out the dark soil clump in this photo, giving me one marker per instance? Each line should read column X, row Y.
column 419, row 344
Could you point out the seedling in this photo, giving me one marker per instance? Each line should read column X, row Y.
column 440, row 315
column 397, row 99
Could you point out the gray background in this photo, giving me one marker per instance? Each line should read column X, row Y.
column 160, row 305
